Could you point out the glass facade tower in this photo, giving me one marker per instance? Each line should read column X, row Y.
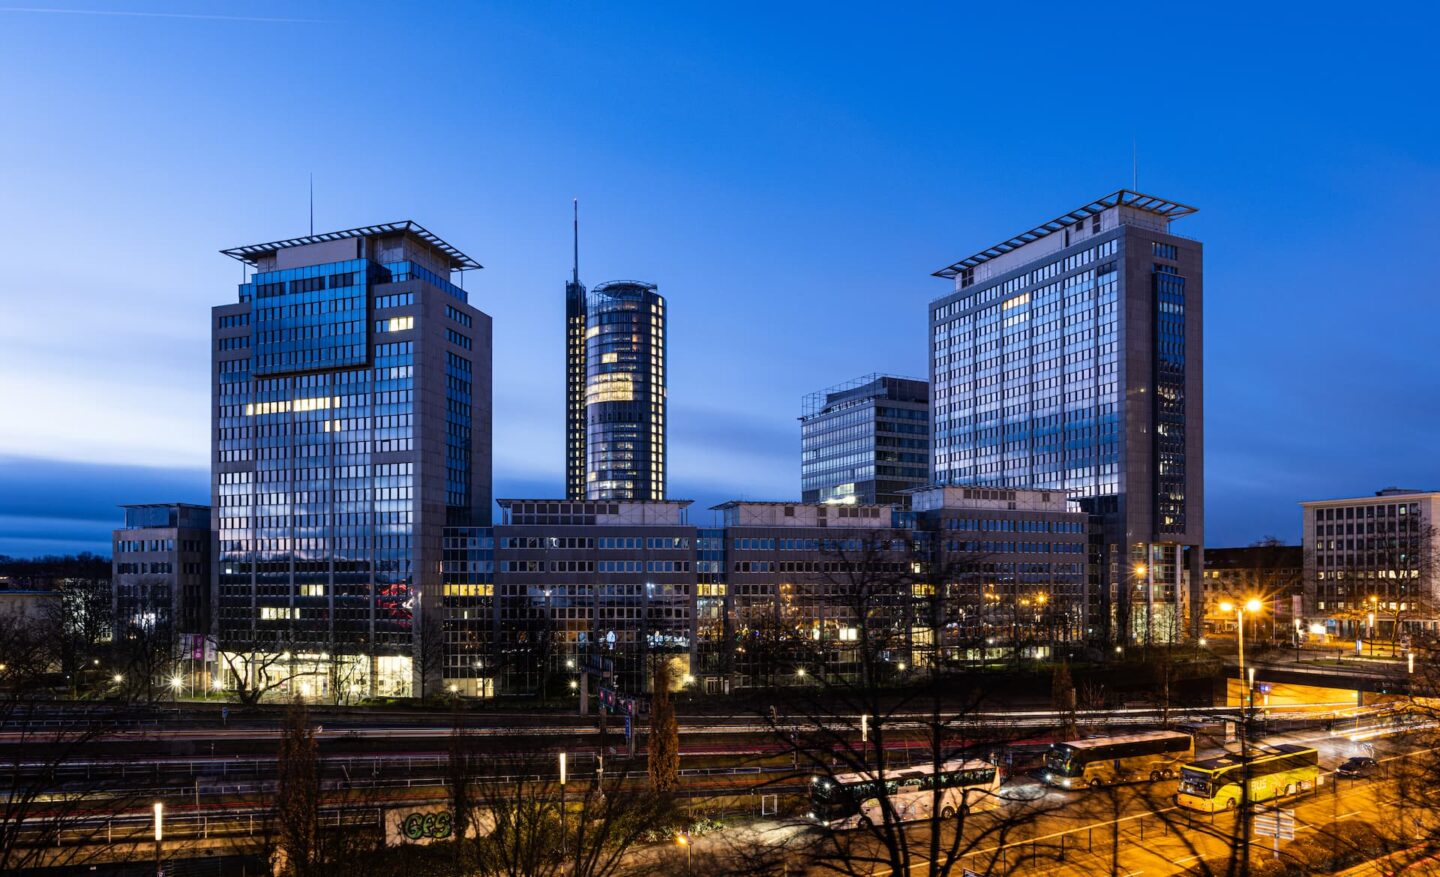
column 865, row 441
column 625, row 392
column 351, row 425
column 1069, row 358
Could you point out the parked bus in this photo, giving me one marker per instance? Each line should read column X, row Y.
column 848, row 800
column 1273, row 771
column 1101, row 761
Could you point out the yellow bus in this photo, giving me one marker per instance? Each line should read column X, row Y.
column 1273, row 772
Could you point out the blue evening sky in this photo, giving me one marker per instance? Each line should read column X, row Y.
column 789, row 174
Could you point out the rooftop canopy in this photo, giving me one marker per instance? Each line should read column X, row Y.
column 1123, row 198
column 458, row 260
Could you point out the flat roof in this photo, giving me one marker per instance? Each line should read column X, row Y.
column 1119, row 198
column 505, row 503
column 458, row 260
column 795, row 502
column 163, row 505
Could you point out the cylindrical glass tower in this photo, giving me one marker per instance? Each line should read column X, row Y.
column 625, row 392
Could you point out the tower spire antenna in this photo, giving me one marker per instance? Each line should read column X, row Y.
column 576, row 274
column 312, row 203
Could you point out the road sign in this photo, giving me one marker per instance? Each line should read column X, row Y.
column 629, row 730
column 1276, row 823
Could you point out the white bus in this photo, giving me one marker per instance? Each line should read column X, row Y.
column 848, row 800
column 1101, row 761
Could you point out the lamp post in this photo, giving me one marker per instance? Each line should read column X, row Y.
column 159, row 836
column 1370, row 627
column 1252, row 605
column 683, row 839
column 562, row 804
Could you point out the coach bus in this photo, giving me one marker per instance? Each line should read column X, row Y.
column 848, row 800
column 1273, row 772
column 1102, row 761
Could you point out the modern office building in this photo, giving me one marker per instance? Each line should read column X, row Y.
column 351, row 425
column 1370, row 562
column 1068, row 358
column 865, row 441
column 160, row 568
column 625, row 405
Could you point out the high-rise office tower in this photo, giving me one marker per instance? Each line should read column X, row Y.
column 625, row 392
column 614, row 388
column 351, row 424
column 865, row 440
column 1069, row 358
column 575, row 375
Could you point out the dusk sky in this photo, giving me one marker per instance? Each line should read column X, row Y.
column 789, row 175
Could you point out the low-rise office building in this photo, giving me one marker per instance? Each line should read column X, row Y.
column 1369, row 563
column 161, row 568
column 1269, row 572
column 563, row 592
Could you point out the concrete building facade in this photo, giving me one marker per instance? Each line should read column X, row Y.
column 1370, row 563
column 160, row 568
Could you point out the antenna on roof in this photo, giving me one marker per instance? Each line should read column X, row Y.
column 576, row 275
column 1134, row 164
column 312, row 203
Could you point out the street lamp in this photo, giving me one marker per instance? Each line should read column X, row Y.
column 159, row 835
column 1252, row 605
column 683, row 839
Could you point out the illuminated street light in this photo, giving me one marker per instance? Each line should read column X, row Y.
column 687, row 679
column 683, row 839
column 800, row 672
column 574, row 685
column 1252, row 605
column 117, row 678
column 217, row 683
column 176, row 682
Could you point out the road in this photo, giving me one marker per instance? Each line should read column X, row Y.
column 1078, row 834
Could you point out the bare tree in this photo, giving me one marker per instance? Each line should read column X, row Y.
column 871, row 723
column 430, row 652
column 38, row 807
column 297, row 797
column 664, row 739
column 146, row 644
column 252, row 674
column 537, row 828
column 82, row 622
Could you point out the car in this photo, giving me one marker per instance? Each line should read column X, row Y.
column 1357, row 767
